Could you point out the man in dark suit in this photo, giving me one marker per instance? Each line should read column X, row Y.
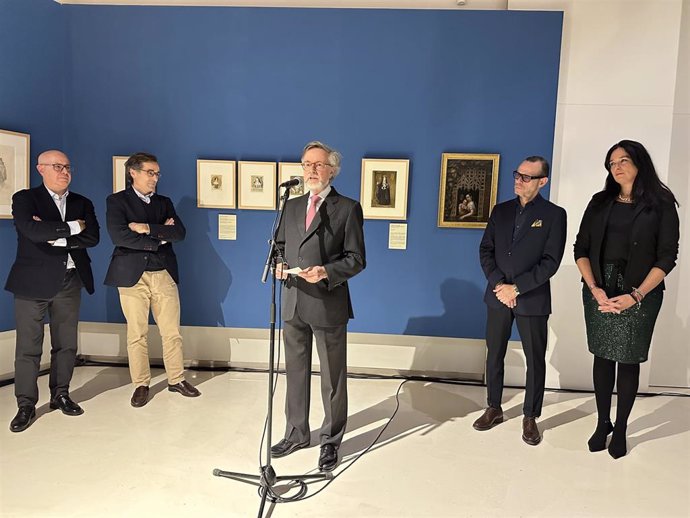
column 521, row 250
column 143, row 225
column 54, row 229
column 322, row 234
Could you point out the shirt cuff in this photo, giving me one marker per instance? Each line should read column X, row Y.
column 60, row 242
column 74, row 228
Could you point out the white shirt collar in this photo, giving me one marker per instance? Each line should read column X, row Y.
column 55, row 195
column 146, row 198
column 323, row 193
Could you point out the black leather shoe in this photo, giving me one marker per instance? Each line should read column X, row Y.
column 185, row 388
column 490, row 418
column 140, row 396
column 530, row 431
column 328, row 457
column 65, row 403
column 285, row 448
column 25, row 416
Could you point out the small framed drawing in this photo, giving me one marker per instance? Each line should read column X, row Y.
column 215, row 184
column 468, row 189
column 256, row 185
column 288, row 171
column 119, row 173
column 384, row 188
column 14, row 168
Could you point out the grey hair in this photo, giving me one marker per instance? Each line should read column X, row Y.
column 334, row 157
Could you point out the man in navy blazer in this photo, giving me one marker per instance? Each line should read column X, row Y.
column 322, row 234
column 54, row 229
column 143, row 225
column 521, row 250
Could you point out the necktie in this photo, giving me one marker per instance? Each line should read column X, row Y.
column 311, row 213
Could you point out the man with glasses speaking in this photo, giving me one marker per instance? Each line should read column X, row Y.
column 143, row 225
column 521, row 250
column 321, row 239
column 54, row 228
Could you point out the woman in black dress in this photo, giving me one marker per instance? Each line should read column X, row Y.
column 626, row 245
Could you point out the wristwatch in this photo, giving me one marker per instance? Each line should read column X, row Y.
column 517, row 290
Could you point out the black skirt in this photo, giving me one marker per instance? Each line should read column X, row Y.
column 623, row 338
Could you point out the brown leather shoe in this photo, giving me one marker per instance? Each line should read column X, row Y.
column 490, row 418
column 530, row 431
column 185, row 388
column 140, row 396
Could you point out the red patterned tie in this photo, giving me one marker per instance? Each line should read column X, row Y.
column 311, row 213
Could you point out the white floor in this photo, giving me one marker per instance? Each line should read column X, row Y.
column 116, row 460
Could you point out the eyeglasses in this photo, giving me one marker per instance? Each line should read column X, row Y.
column 622, row 162
column 150, row 172
column 525, row 177
column 319, row 166
column 59, row 167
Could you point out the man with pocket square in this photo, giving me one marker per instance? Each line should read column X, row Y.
column 521, row 250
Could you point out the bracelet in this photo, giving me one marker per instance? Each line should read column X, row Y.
column 638, row 293
column 592, row 286
column 636, row 297
column 517, row 290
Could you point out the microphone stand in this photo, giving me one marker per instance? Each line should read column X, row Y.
column 267, row 477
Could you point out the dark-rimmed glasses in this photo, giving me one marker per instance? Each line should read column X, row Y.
column 60, row 167
column 525, row 177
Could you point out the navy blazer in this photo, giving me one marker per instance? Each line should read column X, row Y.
column 653, row 239
column 39, row 269
column 530, row 260
column 130, row 255
column 334, row 240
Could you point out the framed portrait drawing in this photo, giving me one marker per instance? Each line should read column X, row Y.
column 289, row 171
column 384, row 188
column 468, row 189
column 215, row 184
column 14, row 168
column 119, row 173
column 256, row 185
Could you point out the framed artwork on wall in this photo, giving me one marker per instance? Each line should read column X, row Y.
column 468, row 189
column 119, row 173
column 14, row 168
column 384, row 188
column 215, row 184
column 256, row 185
column 288, row 171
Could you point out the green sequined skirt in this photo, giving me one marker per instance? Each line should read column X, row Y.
column 623, row 338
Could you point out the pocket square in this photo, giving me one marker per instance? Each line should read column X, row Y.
column 536, row 224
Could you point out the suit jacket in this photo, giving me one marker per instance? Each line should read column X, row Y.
column 530, row 260
column 653, row 239
column 130, row 255
column 39, row 269
column 334, row 240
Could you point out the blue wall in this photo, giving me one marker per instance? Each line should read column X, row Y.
column 33, row 46
column 256, row 84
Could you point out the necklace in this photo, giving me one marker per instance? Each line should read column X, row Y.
column 625, row 199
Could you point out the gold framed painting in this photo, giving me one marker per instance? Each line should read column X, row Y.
column 468, row 189
column 289, row 171
column 384, row 188
column 119, row 173
column 257, row 184
column 14, row 168
column 215, row 184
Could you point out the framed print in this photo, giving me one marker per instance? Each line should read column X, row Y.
column 14, row 168
column 119, row 173
column 384, row 188
column 256, row 185
column 215, row 184
column 468, row 189
column 288, row 171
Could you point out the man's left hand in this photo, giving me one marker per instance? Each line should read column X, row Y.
column 314, row 274
column 139, row 228
column 506, row 294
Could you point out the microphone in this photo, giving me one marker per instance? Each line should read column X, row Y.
column 291, row 183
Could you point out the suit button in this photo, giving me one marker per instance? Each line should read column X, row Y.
column 146, row 257
column 635, row 243
column 510, row 253
column 64, row 263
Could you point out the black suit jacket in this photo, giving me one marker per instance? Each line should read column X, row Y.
column 529, row 261
column 130, row 255
column 39, row 269
column 653, row 239
column 334, row 240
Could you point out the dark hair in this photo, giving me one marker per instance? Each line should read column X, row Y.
column 647, row 186
column 135, row 162
column 543, row 161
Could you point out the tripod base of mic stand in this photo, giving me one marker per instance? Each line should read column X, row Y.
column 268, row 478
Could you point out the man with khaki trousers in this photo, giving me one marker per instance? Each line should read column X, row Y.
column 143, row 225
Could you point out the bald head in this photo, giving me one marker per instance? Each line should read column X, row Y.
column 55, row 168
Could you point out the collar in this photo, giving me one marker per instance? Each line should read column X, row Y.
column 323, row 193
column 55, row 195
column 535, row 201
column 146, row 198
